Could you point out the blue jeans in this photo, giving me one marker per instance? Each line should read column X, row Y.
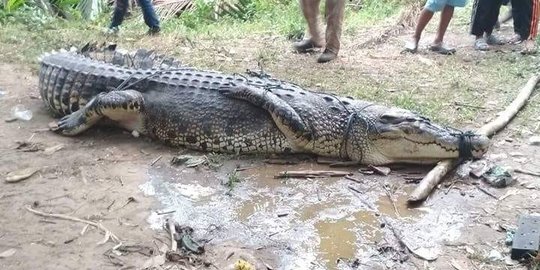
column 149, row 14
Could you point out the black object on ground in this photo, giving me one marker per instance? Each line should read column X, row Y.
column 526, row 240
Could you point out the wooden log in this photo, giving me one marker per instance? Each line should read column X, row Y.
column 435, row 176
column 308, row 174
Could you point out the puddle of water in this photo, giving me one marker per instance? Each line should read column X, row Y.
column 337, row 240
column 313, row 222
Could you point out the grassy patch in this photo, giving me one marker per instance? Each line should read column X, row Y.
column 232, row 179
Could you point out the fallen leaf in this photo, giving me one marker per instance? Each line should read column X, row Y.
column 534, row 140
column 8, row 253
column 154, row 262
column 380, row 170
column 53, row 149
column 424, row 253
column 20, row 175
column 508, row 194
column 457, row 265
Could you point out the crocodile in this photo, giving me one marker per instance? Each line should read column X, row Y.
column 250, row 113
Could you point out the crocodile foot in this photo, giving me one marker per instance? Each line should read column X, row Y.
column 72, row 124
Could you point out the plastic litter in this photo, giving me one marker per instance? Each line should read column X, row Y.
column 20, row 112
column 498, row 176
column 495, row 255
column 509, row 237
column 533, row 140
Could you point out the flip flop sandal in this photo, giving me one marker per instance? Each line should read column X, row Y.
column 527, row 50
column 493, row 40
column 481, row 45
column 410, row 47
column 442, row 49
column 515, row 40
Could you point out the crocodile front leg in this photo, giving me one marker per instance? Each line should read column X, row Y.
column 124, row 107
column 286, row 118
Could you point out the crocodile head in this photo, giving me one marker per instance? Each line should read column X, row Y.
column 397, row 135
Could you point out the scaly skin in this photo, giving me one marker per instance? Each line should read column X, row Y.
column 217, row 112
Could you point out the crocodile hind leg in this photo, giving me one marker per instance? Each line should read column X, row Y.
column 286, row 118
column 124, row 107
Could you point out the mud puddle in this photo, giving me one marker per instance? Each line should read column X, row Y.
column 306, row 223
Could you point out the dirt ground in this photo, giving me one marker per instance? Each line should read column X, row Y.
column 129, row 185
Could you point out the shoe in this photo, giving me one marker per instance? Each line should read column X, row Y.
column 153, row 31
column 111, row 31
column 481, row 45
column 305, row 46
column 493, row 40
column 327, row 56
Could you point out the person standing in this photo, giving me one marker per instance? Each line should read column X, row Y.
column 447, row 12
column 334, row 18
column 526, row 14
column 149, row 15
column 484, row 17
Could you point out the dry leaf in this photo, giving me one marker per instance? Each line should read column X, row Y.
column 154, row 261
column 51, row 150
column 8, row 253
column 457, row 265
column 20, row 175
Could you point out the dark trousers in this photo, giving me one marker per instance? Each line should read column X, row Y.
column 484, row 16
column 149, row 14
column 522, row 13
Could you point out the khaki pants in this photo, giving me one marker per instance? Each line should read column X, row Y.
column 334, row 20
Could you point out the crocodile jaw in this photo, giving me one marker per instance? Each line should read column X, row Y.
column 385, row 151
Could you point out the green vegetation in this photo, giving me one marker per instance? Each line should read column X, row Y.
column 232, row 179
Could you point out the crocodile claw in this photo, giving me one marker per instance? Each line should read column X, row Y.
column 72, row 124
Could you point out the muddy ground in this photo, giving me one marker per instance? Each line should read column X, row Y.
column 236, row 207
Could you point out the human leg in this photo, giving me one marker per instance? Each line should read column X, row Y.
column 310, row 9
column 335, row 10
column 530, row 43
column 491, row 20
column 425, row 16
column 120, row 9
column 521, row 14
column 438, row 44
column 149, row 15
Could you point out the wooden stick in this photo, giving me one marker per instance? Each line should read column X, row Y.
column 172, row 230
column 435, row 176
column 307, row 174
column 523, row 171
column 108, row 233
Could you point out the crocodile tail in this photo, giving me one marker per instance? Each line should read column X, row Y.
column 68, row 80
